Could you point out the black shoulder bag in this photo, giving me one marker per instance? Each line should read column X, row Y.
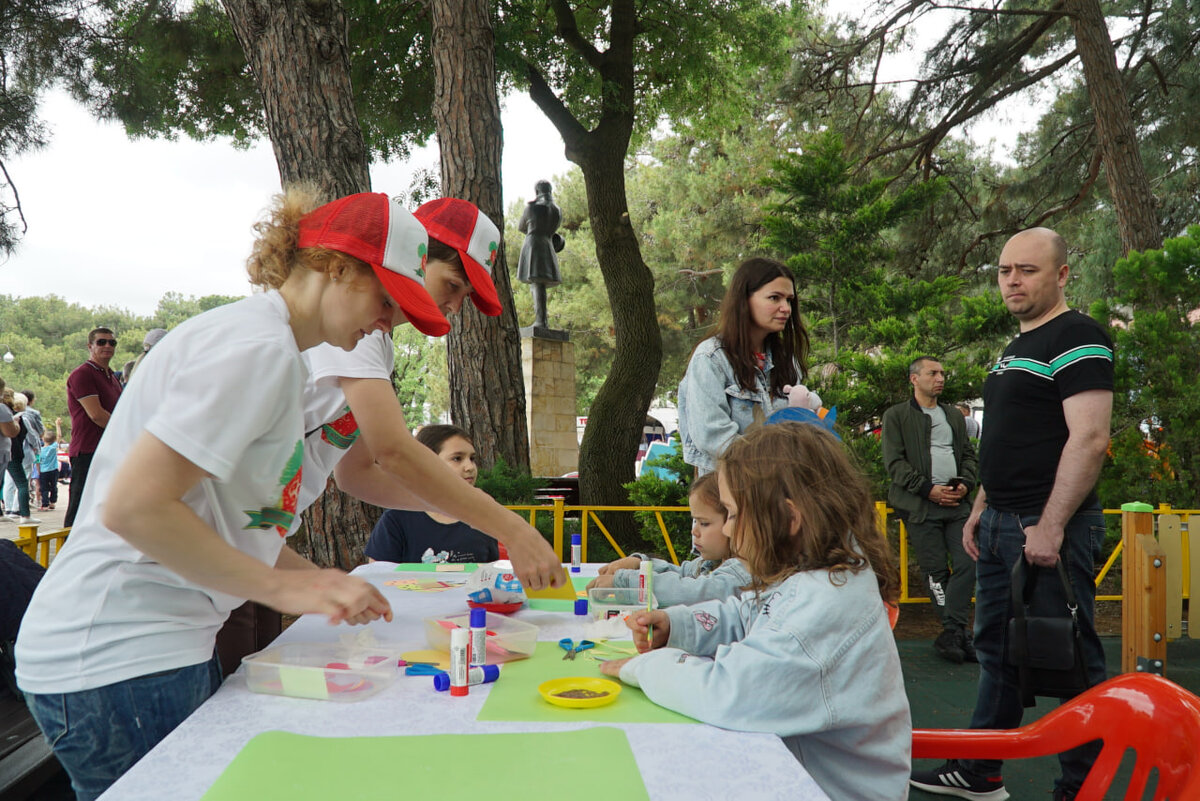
column 1046, row 651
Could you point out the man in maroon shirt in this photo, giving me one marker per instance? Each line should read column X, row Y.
column 92, row 392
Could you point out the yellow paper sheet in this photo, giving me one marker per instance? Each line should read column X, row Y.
column 564, row 591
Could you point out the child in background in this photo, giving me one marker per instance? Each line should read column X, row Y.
column 406, row 536
column 808, row 654
column 48, row 463
column 714, row 575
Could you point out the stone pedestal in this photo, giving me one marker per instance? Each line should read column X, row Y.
column 549, row 368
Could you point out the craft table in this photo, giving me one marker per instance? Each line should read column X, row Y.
column 684, row 761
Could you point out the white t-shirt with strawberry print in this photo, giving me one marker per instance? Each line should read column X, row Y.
column 224, row 390
column 329, row 426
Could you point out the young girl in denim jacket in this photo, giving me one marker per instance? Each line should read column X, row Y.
column 807, row 653
column 713, row 575
column 761, row 346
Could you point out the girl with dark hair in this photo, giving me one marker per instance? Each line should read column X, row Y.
column 761, row 347
column 412, row 536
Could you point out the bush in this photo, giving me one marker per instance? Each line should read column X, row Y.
column 506, row 484
column 651, row 490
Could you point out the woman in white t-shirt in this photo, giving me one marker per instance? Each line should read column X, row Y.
column 187, row 505
column 351, row 394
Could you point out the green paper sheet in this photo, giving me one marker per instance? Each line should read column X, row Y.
column 421, row 567
column 594, row 764
column 514, row 696
column 551, row 605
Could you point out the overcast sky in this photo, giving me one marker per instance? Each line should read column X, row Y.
column 120, row 223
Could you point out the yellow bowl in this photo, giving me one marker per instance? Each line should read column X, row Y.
column 552, row 691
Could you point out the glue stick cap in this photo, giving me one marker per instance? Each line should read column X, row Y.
column 478, row 618
column 581, row 606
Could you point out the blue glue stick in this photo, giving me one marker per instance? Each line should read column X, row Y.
column 478, row 637
column 576, row 551
column 484, row 674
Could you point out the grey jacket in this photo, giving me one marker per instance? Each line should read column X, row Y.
column 905, row 442
column 691, row 582
column 810, row 660
column 713, row 407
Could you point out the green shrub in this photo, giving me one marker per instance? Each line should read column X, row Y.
column 506, row 484
column 650, row 490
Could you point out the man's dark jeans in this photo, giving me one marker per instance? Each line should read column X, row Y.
column 1001, row 541
column 79, row 469
column 948, row 570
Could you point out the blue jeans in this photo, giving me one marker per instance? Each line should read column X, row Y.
column 998, row 704
column 99, row 734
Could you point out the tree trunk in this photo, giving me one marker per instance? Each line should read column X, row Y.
column 1133, row 200
column 487, row 388
column 618, row 414
column 301, row 63
column 299, row 55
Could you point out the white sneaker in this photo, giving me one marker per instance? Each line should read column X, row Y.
column 27, row 521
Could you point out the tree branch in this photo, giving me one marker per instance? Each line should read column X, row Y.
column 568, row 29
column 573, row 134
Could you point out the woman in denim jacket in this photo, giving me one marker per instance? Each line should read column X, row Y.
column 761, row 346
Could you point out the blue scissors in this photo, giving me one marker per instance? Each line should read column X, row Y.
column 568, row 645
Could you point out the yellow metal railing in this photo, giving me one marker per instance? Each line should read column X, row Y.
column 883, row 511
column 38, row 546
column 587, row 515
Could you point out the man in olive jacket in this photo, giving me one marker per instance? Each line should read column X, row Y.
column 933, row 467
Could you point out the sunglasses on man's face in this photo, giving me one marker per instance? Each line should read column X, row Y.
column 103, row 342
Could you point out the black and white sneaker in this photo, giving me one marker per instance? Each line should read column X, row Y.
column 951, row 779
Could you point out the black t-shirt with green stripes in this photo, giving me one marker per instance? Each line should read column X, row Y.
column 1024, row 429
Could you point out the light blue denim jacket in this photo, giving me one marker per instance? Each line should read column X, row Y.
column 713, row 407
column 810, row 660
column 691, row 582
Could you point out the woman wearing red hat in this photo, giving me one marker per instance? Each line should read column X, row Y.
column 357, row 425
column 187, row 505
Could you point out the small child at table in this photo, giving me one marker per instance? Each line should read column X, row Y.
column 808, row 653
column 713, row 575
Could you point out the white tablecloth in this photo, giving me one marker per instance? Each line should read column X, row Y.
column 677, row 761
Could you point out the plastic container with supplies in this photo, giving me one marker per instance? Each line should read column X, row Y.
column 606, row 602
column 322, row 671
column 506, row 639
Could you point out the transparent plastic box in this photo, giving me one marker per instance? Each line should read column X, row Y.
column 606, row 602
column 507, row 639
column 321, row 671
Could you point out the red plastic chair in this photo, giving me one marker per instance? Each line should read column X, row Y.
column 1157, row 718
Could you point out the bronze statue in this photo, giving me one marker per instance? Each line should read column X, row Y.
column 539, row 259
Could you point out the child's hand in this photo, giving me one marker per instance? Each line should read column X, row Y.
column 605, row 580
column 642, row 623
column 628, row 563
column 613, row 666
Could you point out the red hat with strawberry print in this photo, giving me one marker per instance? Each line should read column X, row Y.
column 461, row 225
column 373, row 228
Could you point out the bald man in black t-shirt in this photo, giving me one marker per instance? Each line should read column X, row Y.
column 1049, row 402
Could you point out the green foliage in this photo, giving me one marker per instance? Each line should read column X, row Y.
column 868, row 319
column 420, row 379
column 506, row 484
column 1155, row 453
column 651, row 490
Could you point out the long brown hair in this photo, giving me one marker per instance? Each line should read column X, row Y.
column 839, row 531
column 787, row 348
